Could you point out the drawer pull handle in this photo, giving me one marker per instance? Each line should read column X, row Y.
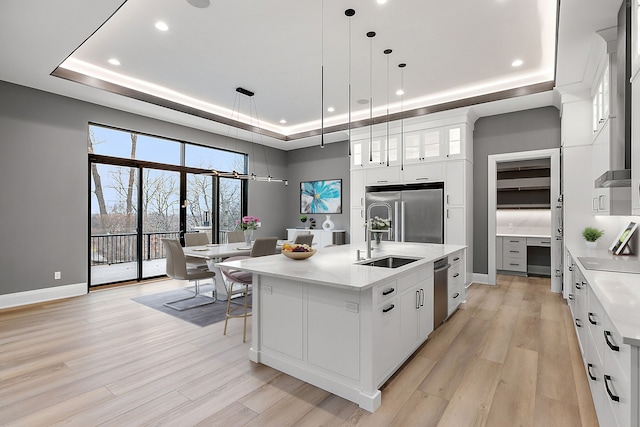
column 514, row 241
column 589, row 366
column 388, row 291
column 545, row 243
column 456, row 275
column 456, row 259
column 591, row 319
column 571, row 297
column 570, row 268
column 611, row 345
column 515, row 252
column 513, row 263
column 421, row 297
column 607, row 380
column 578, row 323
column 422, row 178
column 578, row 285
column 388, row 309
column 456, row 295
column 382, row 180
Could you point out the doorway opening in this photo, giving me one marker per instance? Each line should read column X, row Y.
column 525, row 214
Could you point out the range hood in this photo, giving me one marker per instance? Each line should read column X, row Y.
column 614, row 179
column 620, row 174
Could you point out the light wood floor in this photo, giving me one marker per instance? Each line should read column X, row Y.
column 509, row 357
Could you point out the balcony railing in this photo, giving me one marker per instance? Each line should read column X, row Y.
column 121, row 247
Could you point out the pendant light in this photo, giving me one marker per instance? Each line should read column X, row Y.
column 387, row 52
column 322, row 73
column 371, row 35
column 349, row 13
column 252, row 109
column 401, row 148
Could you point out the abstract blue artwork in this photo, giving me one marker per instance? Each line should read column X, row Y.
column 321, row 197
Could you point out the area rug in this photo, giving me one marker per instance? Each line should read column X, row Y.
column 202, row 316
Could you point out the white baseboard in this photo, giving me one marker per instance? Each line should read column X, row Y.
column 481, row 278
column 41, row 295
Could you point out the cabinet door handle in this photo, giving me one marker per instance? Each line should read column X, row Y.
column 388, row 291
column 578, row 286
column 456, row 295
column 607, row 380
column 456, row 259
column 589, row 366
column 421, row 297
column 594, row 204
column 424, row 178
column 611, row 345
column 570, row 268
column 448, row 199
column 578, row 323
column 417, row 300
column 388, row 309
column 601, row 202
column 456, row 275
column 591, row 319
column 571, row 297
column 447, row 213
column 381, row 181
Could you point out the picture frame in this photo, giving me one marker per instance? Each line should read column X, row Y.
column 620, row 245
column 321, row 197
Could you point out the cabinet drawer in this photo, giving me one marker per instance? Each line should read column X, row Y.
column 456, row 296
column 382, row 175
column 512, row 264
column 617, row 392
column 455, row 258
column 595, row 321
column 384, row 292
column 539, row 241
column 423, row 172
column 614, row 349
column 455, row 276
column 514, row 253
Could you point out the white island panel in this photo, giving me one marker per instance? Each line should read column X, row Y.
column 281, row 320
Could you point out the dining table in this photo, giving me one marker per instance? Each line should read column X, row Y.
column 215, row 252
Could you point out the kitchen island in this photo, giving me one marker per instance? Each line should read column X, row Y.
column 340, row 325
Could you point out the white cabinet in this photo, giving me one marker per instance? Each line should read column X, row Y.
column 612, row 367
column 416, row 308
column 456, row 282
column 383, row 175
column 499, row 252
column 387, row 324
column 514, row 254
column 635, row 145
column 459, row 207
column 357, row 232
column 600, row 154
column 601, row 99
column 357, row 188
column 321, row 238
column 423, row 172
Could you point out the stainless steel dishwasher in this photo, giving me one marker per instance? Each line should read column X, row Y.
column 440, row 291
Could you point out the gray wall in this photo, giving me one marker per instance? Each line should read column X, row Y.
column 313, row 164
column 506, row 133
column 44, row 183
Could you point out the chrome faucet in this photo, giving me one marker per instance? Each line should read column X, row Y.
column 367, row 234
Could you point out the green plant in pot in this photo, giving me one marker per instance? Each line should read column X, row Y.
column 591, row 234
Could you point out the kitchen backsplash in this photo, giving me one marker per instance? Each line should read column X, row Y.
column 524, row 222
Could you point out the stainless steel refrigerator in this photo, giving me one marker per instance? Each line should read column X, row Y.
column 417, row 211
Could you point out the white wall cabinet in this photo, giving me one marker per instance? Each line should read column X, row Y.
column 321, row 238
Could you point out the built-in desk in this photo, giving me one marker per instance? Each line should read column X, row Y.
column 523, row 255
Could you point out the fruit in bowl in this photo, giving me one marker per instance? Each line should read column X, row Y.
column 297, row 251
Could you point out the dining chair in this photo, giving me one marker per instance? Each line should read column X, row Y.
column 177, row 269
column 196, row 239
column 304, row 239
column 261, row 247
column 235, row 236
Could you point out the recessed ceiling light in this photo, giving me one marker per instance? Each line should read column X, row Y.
column 199, row 3
column 517, row 63
column 399, row 92
column 162, row 26
column 283, row 121
column 114, row 61
column 331, row 109
column 381, row 1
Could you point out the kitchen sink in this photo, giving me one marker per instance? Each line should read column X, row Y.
column 390, row 262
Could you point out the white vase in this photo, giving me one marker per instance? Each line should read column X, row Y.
column 328, row 224
column 248, row 236
column 591, row 245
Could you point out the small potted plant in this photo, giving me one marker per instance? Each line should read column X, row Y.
column 591, row 234
column 303, row 220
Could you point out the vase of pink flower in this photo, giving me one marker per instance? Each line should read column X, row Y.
column 248, row 224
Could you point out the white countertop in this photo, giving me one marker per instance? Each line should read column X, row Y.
column 540, row 236
column 619, row 293
column 336, row 265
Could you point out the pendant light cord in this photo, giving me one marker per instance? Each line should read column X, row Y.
column 322, row 73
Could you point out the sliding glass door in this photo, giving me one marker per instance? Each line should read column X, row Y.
column 114, row 241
